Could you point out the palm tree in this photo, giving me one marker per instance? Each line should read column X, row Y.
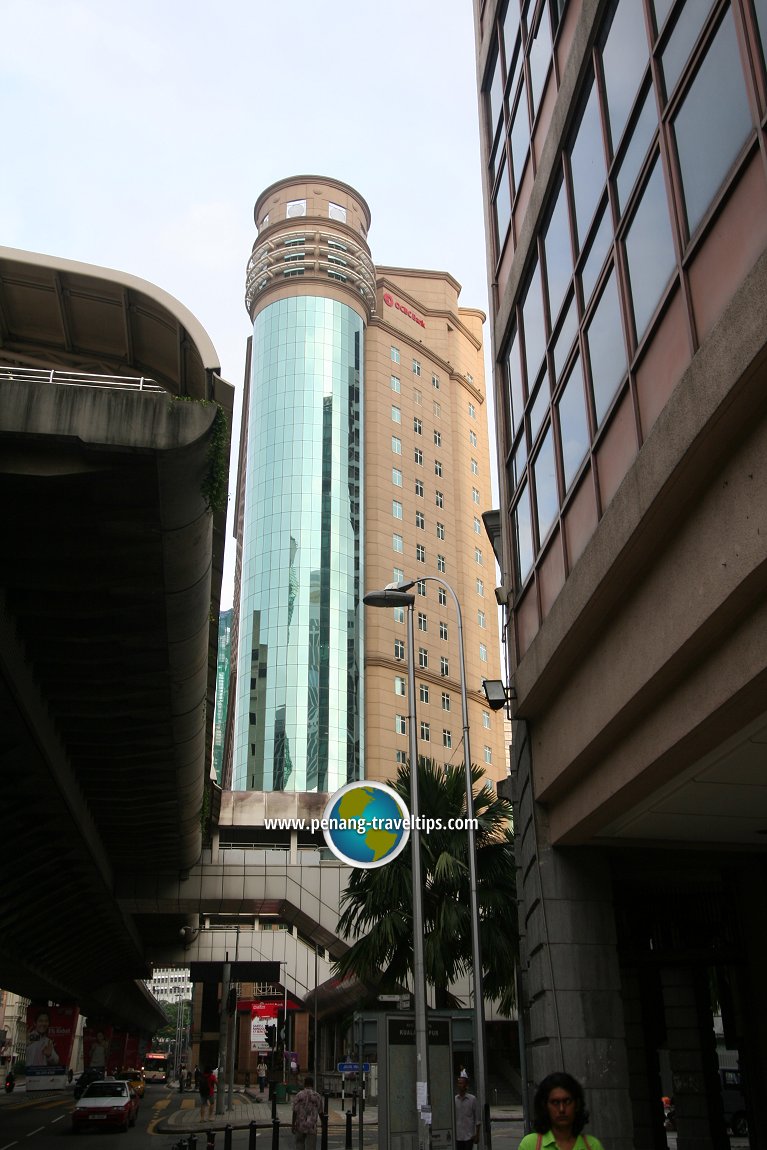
column 377, row 904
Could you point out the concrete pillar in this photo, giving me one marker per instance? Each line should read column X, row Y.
column 569, row 965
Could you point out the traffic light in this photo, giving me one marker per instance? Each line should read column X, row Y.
column 271, row 1034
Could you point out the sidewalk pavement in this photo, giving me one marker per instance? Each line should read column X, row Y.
column 250, row 1106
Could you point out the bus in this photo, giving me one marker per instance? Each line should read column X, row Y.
column 157, row 1066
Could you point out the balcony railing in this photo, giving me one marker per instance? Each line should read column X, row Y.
column 80, row 379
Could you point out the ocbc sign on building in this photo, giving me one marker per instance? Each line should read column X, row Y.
column 390, row 301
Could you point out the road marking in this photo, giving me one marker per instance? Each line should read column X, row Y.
column 38, row 1131
column 8, row 1145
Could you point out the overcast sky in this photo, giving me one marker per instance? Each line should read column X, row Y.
column 139, row 135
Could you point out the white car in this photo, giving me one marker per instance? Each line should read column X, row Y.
column 106, row 1104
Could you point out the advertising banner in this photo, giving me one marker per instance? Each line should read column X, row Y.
column 97, row 1047
column 262, row 1014
column 50, row 1035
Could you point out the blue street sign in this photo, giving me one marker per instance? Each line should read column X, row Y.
column 352, row 1067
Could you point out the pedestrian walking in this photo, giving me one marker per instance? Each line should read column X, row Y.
column 467, row 1117
column 307, row 1107
column 207, row 1091
column 262, row 1070
column 559, row 1115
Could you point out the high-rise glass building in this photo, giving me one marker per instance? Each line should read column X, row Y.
column 223, row 669
column 363, row 459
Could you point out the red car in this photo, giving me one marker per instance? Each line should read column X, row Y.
column 106, row 1104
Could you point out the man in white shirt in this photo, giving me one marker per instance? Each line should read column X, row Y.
column 467, row 1121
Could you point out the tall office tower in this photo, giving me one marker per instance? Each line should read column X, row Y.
column 624, row 150
column 223, row 666
column 363, row 459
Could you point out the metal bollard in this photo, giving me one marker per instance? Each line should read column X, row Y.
column 348, row 1142
column 325, row 1102
column 324, row 1128
column 192, row 1142
column 228, row 1137
column 211, row 1143
column 354, row 1104
column 273, row 1096
column 275, row 1133
column 252, row 1135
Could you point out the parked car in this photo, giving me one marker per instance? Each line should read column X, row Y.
column 106, row 1104
column 134, row 1078
column 85, row 1079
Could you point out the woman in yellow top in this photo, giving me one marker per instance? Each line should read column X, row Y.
column 559, row 1115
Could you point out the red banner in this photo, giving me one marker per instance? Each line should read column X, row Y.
column 50, row 1036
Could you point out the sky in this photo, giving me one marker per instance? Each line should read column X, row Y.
column 139, row 135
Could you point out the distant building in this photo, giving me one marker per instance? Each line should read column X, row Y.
column 169, row 984
column 223, row 664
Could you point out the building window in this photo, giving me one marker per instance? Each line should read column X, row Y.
column 423, row 692
column 418, row 457
column 472, row 411
column 440, row 530
column 399, row 575
column 445, row 701
column 419, row 488
column 421, row 586
column 397, row 543
column 295, row 208
column 443, row 631
column 416, row 367
column 420, row 520
column 395, row 354
column 481, row 619
column 435, row 382
column 436, row 408
column 483, row 652
column 439, row 499
column 437, row 467
column 400, row 724
column 336, row 212
column 478, row 555
column 420, row 553
column 442, row 596
column 399, row 648
column 473, row 438
column 396, row 508
column 477, row 526
column 399, row 614
column 437, row 439
column 395, row 383
column 447, row 738
column 417, row 397
column 488, row 755
column 475, row 494
column 400, row 758
column 396, row 445
column 417, row 425
column 474, row 467
column 396, row 476
column 423, row 658
column 425, row 732
column 444, row 666
column 396, row 414
column 441, row 564
column 480, row 587
column 486, row 720
column 422, row 622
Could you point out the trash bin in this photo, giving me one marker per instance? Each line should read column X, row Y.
column 282, row 1093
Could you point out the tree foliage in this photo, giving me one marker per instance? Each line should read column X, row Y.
column 377, row 904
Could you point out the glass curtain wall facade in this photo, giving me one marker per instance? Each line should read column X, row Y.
column 298, row 726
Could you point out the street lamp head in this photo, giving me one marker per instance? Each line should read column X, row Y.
column 389, row 597
column 496, row 694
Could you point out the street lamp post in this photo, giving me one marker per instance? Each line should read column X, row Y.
column 476, row 949
column 400, row 597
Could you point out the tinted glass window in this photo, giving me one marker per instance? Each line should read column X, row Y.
column 573, row 424
column 596, row 257
column 520, row 137
column 540, row 57
column 565, row 338
column 761, row 20
column 712, row 123
column 559, row 258
column 607, row 352
column 662, row 9
column 515, row 383
column 523, row 535
column 587, row 164
column 649, row 250
column 535, row 335
column 539, row 408
column 495, row 96
column 546, row 498
column 686, row 31
column 641, row 137
column 502, row 208
column 624, row 59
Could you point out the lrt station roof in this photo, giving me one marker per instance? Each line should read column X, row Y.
column 110, row 582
